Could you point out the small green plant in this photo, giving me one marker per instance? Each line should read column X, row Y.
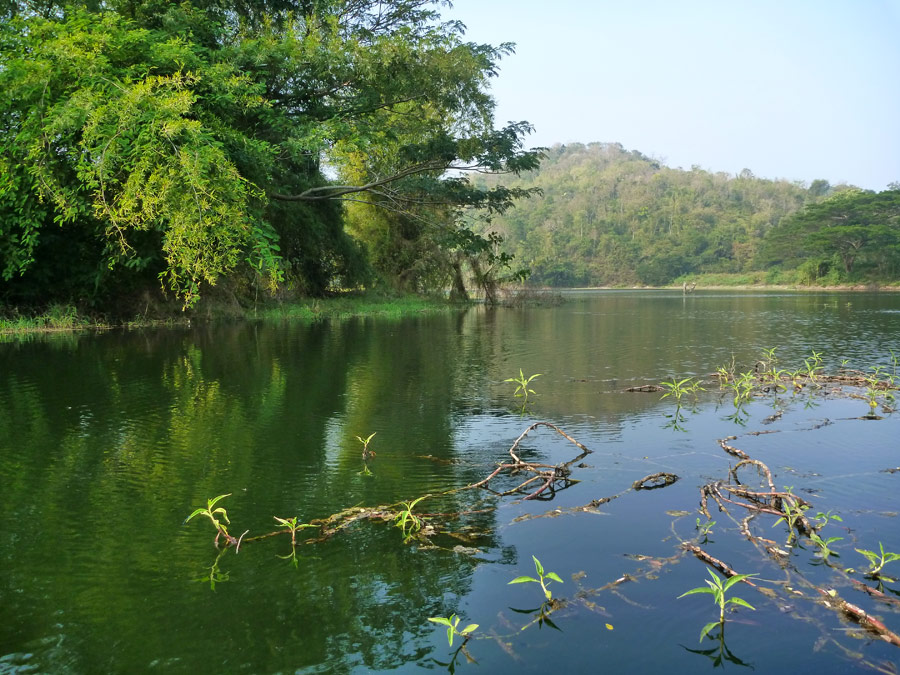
column 793, row 513
column 822, row 519
column 211, row 513
column 522, row 383
column 742, row 385
column 705, row 528
column 679, row 388
column 408, row 522
column 452, row 629
column 552, row 576
column 824, row 545
column 878, row 560
column 813, row 365
column 366, row 453
column 292, row 525
column 718, row 590
column 872, row 391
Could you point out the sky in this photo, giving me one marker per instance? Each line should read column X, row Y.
column 794, row 89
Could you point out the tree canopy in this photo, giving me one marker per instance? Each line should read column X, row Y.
column 611, row 216
column 850, row 230
column 188, row 141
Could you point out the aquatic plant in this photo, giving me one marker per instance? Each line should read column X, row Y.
column 793, row 513
column 452, row 629
column 718, row 590
column 366, row 453
column 679, row 388
column 211, row 513
column 293, row 526
column 705, row 528
column 539, row 568
column 522, row 383
column 822, row 519
column 877, row 560
column 408, row 522
column 813, row 365
column 824, row 545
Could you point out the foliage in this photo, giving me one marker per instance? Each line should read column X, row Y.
column 718, row 590
column 366, row 453
column 705, row 528
column 292, row 525
column 855, row 232
column 211, row 513
column 611, row 216
column 408, row 522
column 824, row 545
column 186, row 142
column 878, row 560
column 522, row 383
column 452, row 627
column 678, row 388
column 793, row 514
column 539, row 568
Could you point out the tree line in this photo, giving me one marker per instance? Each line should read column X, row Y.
column 610, row 216
column 280, row 146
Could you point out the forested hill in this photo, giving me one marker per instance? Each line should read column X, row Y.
column 610, row 216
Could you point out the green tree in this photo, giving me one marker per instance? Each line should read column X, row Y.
column 851, row 225
column 192, row 141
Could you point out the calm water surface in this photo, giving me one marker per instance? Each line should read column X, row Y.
column 108, row 441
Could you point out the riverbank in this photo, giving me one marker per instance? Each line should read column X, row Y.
column 59, row 318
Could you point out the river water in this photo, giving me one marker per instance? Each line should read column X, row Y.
column 108, row 441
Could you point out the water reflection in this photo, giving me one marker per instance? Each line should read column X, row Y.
column 108, row 441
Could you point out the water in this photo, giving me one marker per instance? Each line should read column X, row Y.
column 108, row 441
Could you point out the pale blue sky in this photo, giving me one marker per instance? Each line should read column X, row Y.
column 796, row 89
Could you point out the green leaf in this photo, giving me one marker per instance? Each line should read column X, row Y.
column 741, row 602
column 737, row 578
column 538, row 566
column 212, row 502
column 468, row 629
column 440, row 619
column 522, row 580
column 199, row 511
column 708, row 627
column 700, row 590
column 554, row 576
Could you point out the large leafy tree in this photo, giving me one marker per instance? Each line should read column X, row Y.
column 850, row 226
column 198, row 139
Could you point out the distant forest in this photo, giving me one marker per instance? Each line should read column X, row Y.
column 608, row 216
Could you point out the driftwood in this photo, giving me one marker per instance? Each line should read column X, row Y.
column 645, row 388
column 857, row 615
column 655, row 480
column 713, row 562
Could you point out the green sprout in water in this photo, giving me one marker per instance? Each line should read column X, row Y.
column 677, row 389
column 366, row 453
column 824, row 544
column 822, row 519
column 878, row 560
column 718, row 590
column 552, row 576
column 522, row 383
column 705, row 528
column 211, row 513
column 452, row 627
column 292, row 525
column 793, row 514
column 408, row 522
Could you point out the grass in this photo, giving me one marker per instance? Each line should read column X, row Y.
column 347, row 306
column 788, row 279
column 56, row 317
column 67, row 317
